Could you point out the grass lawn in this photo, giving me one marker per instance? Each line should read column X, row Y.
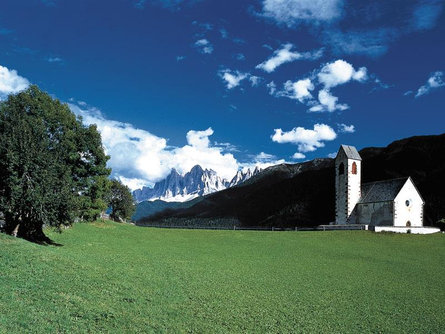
column 110, row 277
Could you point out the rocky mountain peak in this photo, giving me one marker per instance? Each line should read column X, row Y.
column 196, row 182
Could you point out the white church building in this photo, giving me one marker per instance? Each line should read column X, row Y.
column 391, row 205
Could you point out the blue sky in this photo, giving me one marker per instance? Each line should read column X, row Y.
column 231, row 84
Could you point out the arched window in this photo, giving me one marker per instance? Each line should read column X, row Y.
column 341, row 169
column 354, row 168
column 408, row 224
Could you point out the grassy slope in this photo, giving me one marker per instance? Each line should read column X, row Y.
column 115, row 278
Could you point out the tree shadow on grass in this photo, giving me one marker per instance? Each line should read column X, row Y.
column 40, row 240
column 46, row 242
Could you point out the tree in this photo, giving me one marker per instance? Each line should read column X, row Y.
column 121, row 201
column 52, row 167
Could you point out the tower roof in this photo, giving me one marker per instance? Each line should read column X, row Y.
column 351, row 152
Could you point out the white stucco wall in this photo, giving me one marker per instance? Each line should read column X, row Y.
column 354, row 187
column 375, row 214
column 347, row 188
column 412, row 230
column 413, row 212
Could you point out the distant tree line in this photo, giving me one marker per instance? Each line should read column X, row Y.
column 52, row 167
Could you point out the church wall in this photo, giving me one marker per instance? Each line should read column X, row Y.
column 341, row 190
column 375, row 214
column 348, row 189
column 354, row 186
column 408, row 206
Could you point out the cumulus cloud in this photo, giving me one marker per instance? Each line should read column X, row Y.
column 139, row 157
column 286, row 55
column 327, row 102
column 332, row 75
column 299, row 90
column 298, row 155
column 308, row 140
column 343, row 128
column 340, row 72
column 199, row 139
column 11, row 82
column 204, row 46
column 434, row 81
column 233, row 78
column 329, row 76
column 292, row 12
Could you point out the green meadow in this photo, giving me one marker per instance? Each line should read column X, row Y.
column 117, row 278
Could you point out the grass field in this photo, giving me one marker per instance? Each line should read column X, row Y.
column 117, row 278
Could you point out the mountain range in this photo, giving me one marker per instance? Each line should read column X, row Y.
column 197, row 182
column 303, row 194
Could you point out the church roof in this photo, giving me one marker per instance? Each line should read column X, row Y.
column 351, row 152
column 382, row 191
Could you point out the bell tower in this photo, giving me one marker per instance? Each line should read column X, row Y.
column 348, row 169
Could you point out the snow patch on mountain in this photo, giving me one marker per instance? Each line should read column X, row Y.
column 197, row 182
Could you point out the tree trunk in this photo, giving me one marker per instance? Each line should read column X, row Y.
column 15, row 231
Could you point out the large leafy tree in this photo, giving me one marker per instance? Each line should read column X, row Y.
column 120, row 201
column 52, row 167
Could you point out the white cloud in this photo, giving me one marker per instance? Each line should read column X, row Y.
column 232, row 78
column 299, row 90
column 343, row 128
column 262, row 160
column 339, row 73
column 327, row 102
column 329, row 76
column 434, row 81
column 204, row 46
column 254, row 80
column 11, row 82
column 272, row 87
column 298, row 155
column 285, row 55
column 332, row 155
column 138, row 157
column 132, row 183
column 307, row 140
column 199, row 139
column 291, row 12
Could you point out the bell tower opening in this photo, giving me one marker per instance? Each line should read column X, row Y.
column 341, row 169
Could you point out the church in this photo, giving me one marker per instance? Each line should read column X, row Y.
column 391, row 205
